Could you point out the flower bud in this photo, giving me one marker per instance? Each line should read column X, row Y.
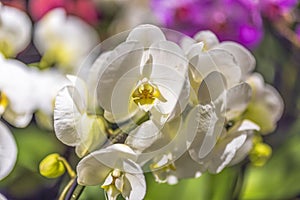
column 51, row 166
column 260, row 154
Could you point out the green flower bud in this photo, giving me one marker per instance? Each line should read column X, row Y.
column 52, row 166
column 260, row 154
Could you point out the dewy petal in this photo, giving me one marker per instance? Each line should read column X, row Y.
column 8, row 151
column 217, row 60
column 244, row 58
column 124, row 59
column 146, row 34
column 67, row 113
column 237, row 100
column 16, row 27
column 224, row 152
column 94, row 168
column 209, row 38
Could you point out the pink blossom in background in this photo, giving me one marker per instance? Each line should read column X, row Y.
column 85, row 9
column 273, row 9
column 20, row 4
column 236, row 20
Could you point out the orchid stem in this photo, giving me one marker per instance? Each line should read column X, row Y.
column 69, row 169
column 75, row 191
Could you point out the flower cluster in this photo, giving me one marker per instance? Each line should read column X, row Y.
column 30, row 90
column 171, row 105
column 238, row 20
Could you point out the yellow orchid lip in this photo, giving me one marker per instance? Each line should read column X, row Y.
column 3, row 102
column 146, row 94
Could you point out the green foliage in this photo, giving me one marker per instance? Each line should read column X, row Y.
column 33, row 145
column 279, row 178
column 213, row 187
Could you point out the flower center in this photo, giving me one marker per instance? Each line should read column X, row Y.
column 3, row 102
column 145, row 95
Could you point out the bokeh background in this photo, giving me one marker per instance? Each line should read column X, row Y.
column 268, row 28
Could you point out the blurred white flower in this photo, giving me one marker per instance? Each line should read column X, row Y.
column 266, row 105
column 8, row 151
column 63, row 41
column 148, row 72
column 115, row 169
column 17, row 102
column 132, row 14
column 73, row 125
column 15, row 30
column 2, row 197
column 46, row 83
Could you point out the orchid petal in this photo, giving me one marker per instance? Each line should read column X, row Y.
column 237, row 100
column 8, row 153
column 209, row 38
column 125, row 61
column 244, row 58
column 225, row 151
column 93, row 169
column 67, row 114
column 146, row 34
column 217, row 60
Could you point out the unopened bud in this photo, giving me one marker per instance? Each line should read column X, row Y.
column 51, row 166
column 260, row 154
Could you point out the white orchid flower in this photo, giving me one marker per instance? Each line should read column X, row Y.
column 73, row 125
column 222, row 130
column 229, row 148
column 266, row 106
column 8, row 151
column 113, row 168
column 15, row 30
column 144, row 73
column 165, row 150
column 16, row 99
column 207, row 54
column 63, row 40
column 46, row 83
column 2, row 197
column 168, row 171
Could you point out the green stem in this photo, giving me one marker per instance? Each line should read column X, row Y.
column 121, row 133
column 239, row 180
column 75, row 191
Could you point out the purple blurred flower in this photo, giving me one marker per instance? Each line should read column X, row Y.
column 237, row 20
column 274, row 9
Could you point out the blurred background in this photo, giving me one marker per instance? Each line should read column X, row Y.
column 268, row 28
